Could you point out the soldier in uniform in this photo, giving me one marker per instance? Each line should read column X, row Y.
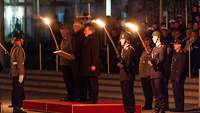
column 144, row 73
column 17, row 59
column 178, row 75
column 156, row 63
column 127, row 72
column 89, row 63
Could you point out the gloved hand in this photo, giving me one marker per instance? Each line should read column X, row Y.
column 21, row 78
column 120, row 65
column 93, row 68
column 153, row 62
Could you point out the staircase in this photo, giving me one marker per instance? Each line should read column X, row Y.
column 47, row 82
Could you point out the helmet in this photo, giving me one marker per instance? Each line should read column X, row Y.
column 126, row 36
column 156, row 33
column 18, row 34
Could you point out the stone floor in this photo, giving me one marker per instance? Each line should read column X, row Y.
column 5, row 99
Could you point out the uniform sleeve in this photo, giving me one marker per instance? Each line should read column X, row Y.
column 162, row 54
column 180, row 65
column 129, row 57
column 20, row 61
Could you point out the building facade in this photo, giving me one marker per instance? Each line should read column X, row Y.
column 24, row 15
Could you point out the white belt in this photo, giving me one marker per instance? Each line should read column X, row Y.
column 15, row 63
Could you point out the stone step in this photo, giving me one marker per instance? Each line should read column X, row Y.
column 52, row 83
column 112, row 81
column 103, row 87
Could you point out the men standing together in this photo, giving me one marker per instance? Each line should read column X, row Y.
column 81, row 74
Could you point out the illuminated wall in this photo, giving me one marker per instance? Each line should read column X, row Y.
column 13, row 19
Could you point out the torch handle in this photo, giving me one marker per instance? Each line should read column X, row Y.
column 145, row 47
column 6, row 52
column 54, row 38
column 113, row 44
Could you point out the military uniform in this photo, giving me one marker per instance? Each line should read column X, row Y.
column 17, row 59
column 178, row 78
column 144, row 73
column 157, row 58
column 127, row 74
column 166, row 74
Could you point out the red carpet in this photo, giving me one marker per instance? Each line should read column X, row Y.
column 55, row 105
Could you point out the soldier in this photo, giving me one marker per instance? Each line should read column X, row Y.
column 178, row 75
column 156, row 62
column 17, row 59
column 127, row 73
column 89, row 63
column 144, row 73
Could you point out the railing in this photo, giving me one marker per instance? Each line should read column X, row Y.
column 199, row 87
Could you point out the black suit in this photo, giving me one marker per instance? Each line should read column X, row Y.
column 89, row 79
column 77, row 39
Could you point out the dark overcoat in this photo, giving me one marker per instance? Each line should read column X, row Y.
column 89, row 56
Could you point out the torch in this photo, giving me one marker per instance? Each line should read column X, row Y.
column 134, row 28
column 103, row 25
column 47, row 21
column 5, row 50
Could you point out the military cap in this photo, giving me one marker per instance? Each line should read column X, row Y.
column 172, row 21
column 156, row 33
column 18, row 34
column 126, row 36
column 178, row 41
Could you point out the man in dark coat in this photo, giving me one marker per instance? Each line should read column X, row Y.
column 178, row 75
column 127, row 72
column 77, row 39
column 89, row 63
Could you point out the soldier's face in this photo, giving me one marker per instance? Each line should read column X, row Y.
column 155, row 39
column 177, row 47
column 122, row 42
column 22, row 41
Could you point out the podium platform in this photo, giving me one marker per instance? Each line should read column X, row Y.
column 55, row 105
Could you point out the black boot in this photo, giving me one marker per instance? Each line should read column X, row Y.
column 145, row 107
column 18, row 110
column 162, row 111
